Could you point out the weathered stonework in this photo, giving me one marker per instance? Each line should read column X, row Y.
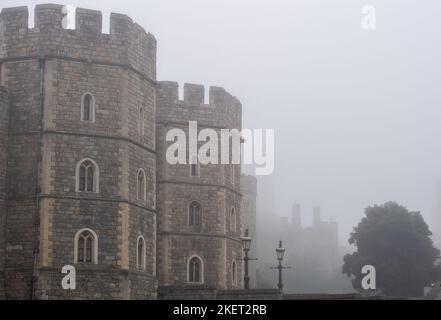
column 45, row 73
column 47, row 70
column 214, row 189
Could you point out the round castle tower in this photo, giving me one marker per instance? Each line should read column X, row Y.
column 81, row 164
column 199, row 206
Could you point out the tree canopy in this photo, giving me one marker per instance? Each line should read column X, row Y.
column 398, row 244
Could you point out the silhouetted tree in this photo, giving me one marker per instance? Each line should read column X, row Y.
column 398, row 244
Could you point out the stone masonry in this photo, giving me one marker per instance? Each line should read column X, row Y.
column 46, row 72
column 214, row 188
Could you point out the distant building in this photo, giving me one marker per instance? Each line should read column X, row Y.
column 317, row 244
column 312, row 252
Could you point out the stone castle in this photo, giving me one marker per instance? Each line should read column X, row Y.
column 312, row 250
column 83, row 175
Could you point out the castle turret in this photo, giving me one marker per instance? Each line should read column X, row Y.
column 316, row 216
column 296, row 218
column 199, row 206
column 81, row 155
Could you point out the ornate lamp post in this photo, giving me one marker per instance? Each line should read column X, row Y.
column 246, row 243
column 280, row 252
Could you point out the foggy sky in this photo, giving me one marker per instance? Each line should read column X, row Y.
column 356, row 113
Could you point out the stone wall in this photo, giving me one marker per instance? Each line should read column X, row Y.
column 127, row 45
column 98, row 282
column 23, row 80
column 187, row 292
column 214, row 188
column 47, row 71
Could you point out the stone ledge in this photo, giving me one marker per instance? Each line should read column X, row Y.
column 187, row 287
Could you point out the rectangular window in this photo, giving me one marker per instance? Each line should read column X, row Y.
column 81, row 250
column 90, row 179
column 82, row 182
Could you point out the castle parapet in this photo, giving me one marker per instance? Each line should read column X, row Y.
column 47, row 17
column 89, row 22
column 223, row 110
column 127, row 44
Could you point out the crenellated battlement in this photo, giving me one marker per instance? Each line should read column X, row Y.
column 223, row 109
column 127, row 44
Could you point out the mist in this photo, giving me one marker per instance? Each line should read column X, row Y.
column 356, row 113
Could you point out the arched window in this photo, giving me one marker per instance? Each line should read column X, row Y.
column 141, row 122
column 233, row 220
column 195, row 270
column 88, row 108
column 140, row 253
column 194, row 214
column 87, row 176
column 234, row 273
column 86, row 247
column 141, row 185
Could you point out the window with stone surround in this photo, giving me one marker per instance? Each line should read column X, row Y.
column 195, row 270
column 140, row 253
column 141, row 185
column 195, row 214
column 87, row 176
column 88, row 108
column 86, row 247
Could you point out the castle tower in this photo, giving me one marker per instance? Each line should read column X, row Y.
column 248, row 187
column 316, row 216
column 199, row 206
column 296, row 218
column 81, row 155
